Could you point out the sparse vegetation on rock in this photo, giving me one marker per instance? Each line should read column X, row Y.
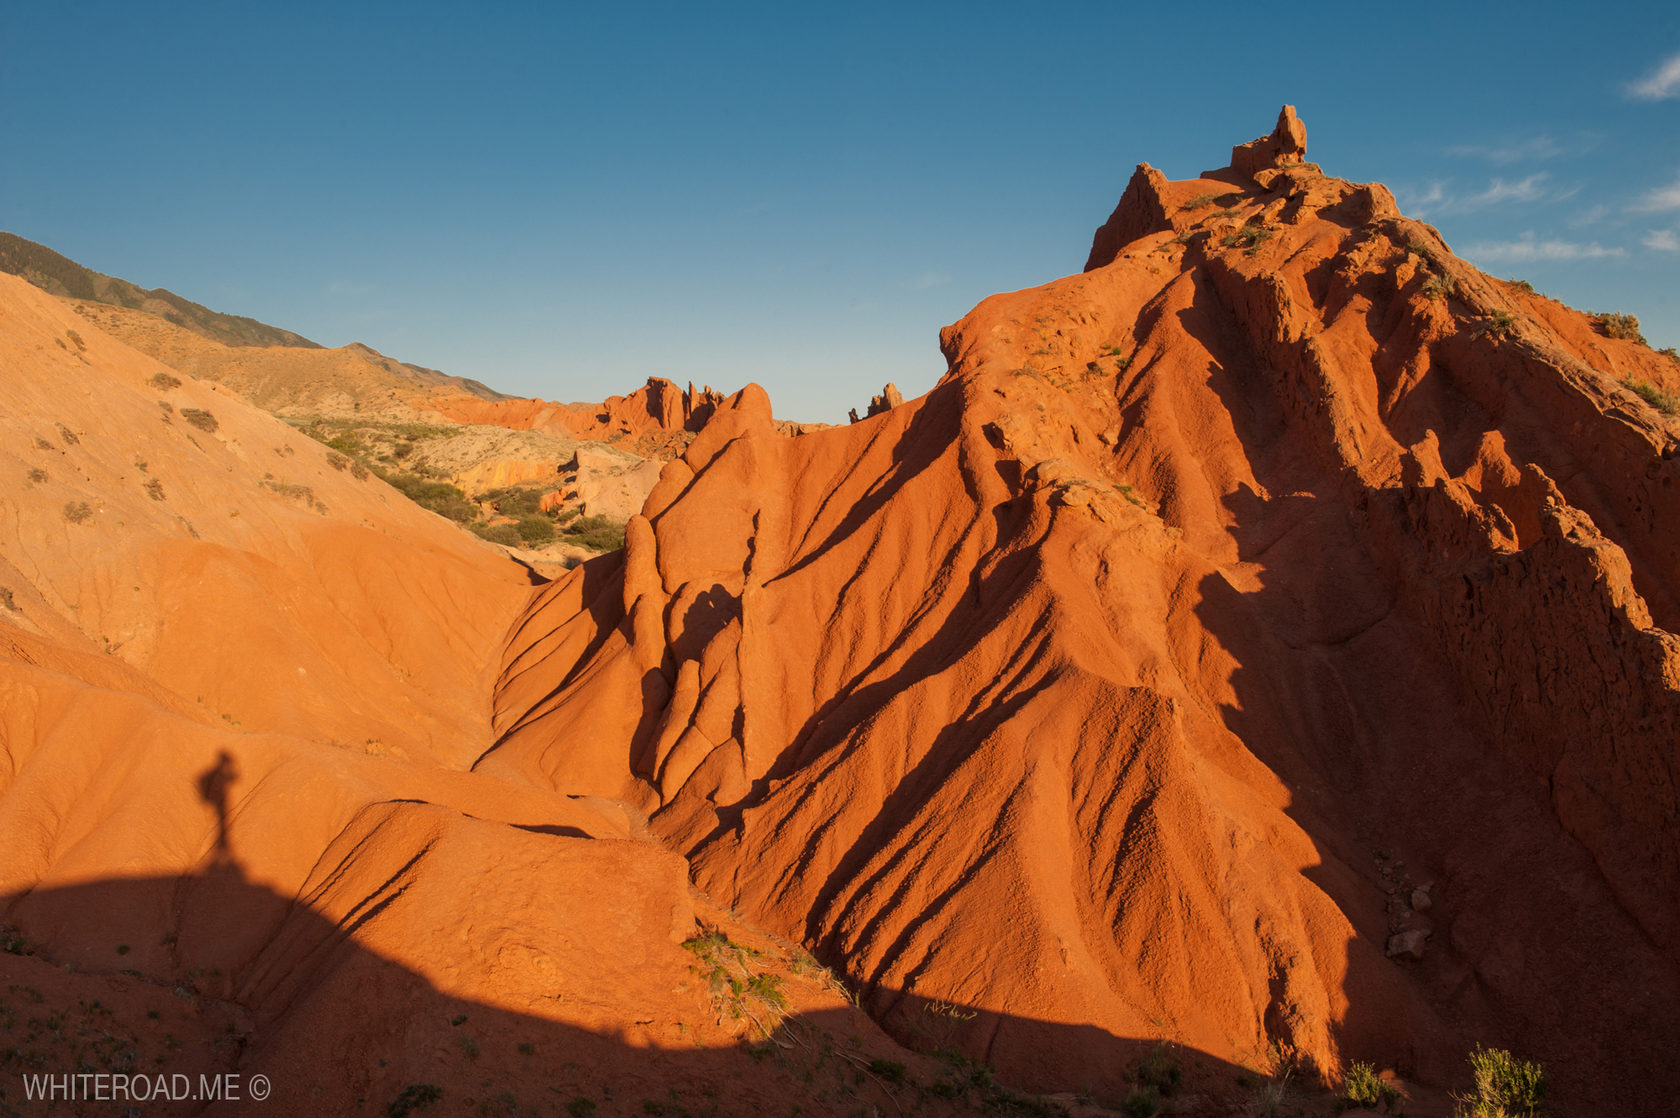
column 1364, row 1088
column 1251, row 236
column 1623, row 327
column 415, row 1098
column 1439, row 286
column 1504, row 1086
column 738, row 990
column 201, row 419
column 1663, row 399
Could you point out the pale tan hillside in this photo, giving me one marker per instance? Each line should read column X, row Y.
column 291, row 381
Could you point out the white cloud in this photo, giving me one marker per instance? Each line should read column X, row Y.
column 1663, row 83
column 1420, row 204
column 1499, row 191
column 1540, row 147
column 1662, row 198
column 1528, row 248
column 1592, row 217
column 1439, row 200
column 1663, row 240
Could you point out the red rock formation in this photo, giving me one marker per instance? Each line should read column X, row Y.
column 1218, row 600
column 239, row 687
column 658, row 408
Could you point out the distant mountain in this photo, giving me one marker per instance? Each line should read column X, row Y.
column 287, row 380
column 59, row 275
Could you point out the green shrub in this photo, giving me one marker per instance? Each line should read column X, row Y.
column 154, row 489
column 1623, row 327
column 1502, row 324
column 1251, row 236
column 201, row 419
column 1505, row 1086
column 165, row 381
column 597, row 533
column 77, row 512
column 505, row 534
column 290, row 491
column 416, row 1096
column 1159, row 1070
column 1201, row 200
column 1365, row 1089
column 890, row 1070
column 1670, row 352
column 513, row 500
column 1440, row 287
column 37, row 475
column 1142, row 1102
column 535, row 529
column 1660, row 398
column 438, row 496
column 1522, row 285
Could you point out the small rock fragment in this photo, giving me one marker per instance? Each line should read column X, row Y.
column 1407, row 945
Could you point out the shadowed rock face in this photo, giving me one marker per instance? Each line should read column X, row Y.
column 1221, row 601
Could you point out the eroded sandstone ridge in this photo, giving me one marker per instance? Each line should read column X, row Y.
column 1262, row 639
column 240, row 689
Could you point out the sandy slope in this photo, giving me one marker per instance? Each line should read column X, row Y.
column 234, row 566
column 239, row 690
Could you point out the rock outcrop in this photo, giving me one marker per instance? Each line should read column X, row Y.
column 1102, row 689
column 654, row 413
column 1285, row 147
column 240, row 687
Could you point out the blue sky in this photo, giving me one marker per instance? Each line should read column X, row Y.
column 563, row 201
